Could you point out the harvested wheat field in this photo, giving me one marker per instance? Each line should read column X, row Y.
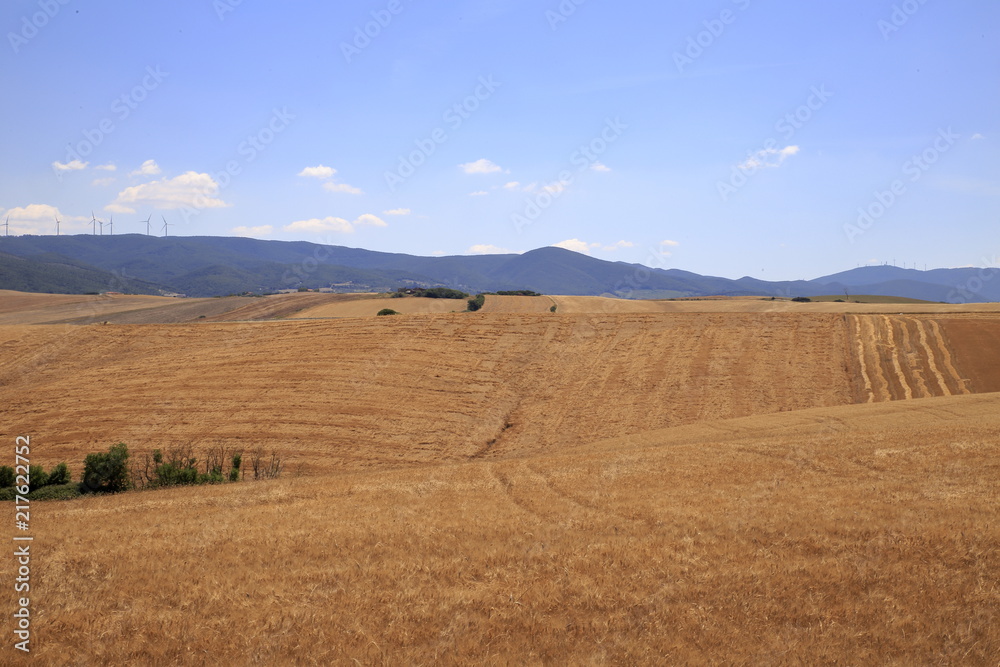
column 30, row 308
column 369, row 307
column 524, row 487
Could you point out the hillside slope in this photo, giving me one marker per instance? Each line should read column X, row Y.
column 414, row 389
column 865, row 534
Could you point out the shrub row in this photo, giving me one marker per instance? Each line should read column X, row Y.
column 430, row 293
column 37, row 477
column 109, row 472
column 476, row 302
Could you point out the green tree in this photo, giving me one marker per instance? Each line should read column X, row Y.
column 107, row 472
column 7, row 477
column 59, row 475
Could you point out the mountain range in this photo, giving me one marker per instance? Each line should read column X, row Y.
column 213, row 265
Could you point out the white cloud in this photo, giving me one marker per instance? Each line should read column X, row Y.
column 398, row 211
column 330, row 186
column 977, row 136
column 556, row 187
column 576, row 245
column 767, row 157
column 148, row 168
column 103, row 182
column 324, row 173
column 480, row 166
column 106, row 167
column 370, row 220
column 514, row 186
column 618, row 246
column 333, row 224
column 190, row 189
column 319, row 171
column 597, row 166
column 261, row 230
column 487, row 249
column 478, row 193
column 40, row 219
column 669, row 243
column 72, row 165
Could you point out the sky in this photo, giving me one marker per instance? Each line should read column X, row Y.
column 777, row 139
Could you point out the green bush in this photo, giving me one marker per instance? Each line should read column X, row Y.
column 7, row 477
column 552, row 309
column 234, row 471
column 59, row 475
column 174, row 473
column 801, row 299
column 106, row 472
column 476, row 302
column 443, row 293
column 57, row 492
column 386, row 311
column 37, row 478
column 214, row 477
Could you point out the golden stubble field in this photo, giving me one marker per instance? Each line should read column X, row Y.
column 503, row 487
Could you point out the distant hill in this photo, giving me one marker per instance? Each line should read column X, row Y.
column 216, row 265
column 59, row 275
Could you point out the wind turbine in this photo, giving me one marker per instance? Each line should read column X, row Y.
column 6, row 226
column 147, row 225
column 93, row 223
column 57, row 225
column 111, row 226
column 165, row 226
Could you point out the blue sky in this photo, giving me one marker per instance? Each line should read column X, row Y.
column 775, row 139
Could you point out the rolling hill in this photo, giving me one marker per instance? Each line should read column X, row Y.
column 213, row 266
column 520, row 488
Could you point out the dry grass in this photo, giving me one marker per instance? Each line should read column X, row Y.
column 503, row 488
column 828, row 542
column 410, row 389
